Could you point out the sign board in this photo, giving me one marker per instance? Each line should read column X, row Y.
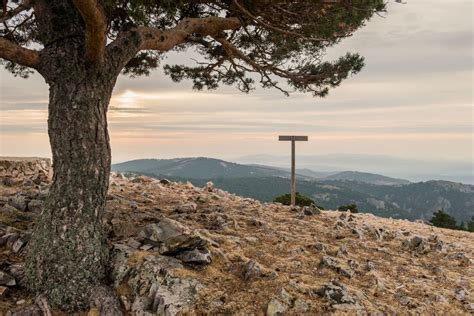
column 295, row 138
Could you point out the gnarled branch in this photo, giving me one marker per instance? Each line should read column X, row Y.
column 23, row 6
column 17, row 54
column 96, row 27
column 149, row 38
column 156, row 39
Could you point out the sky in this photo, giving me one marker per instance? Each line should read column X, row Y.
column 412, row 100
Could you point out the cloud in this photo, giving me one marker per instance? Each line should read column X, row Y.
column 413, row 98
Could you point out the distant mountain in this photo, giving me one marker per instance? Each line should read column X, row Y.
column 365, row 178
column 377, row 194
column 406, row 168
column 198, row 168
column 206, row 168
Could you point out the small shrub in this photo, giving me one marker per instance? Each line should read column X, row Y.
column 349, row 207
column 300, row 200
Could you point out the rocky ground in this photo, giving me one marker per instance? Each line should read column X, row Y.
column 180, row 249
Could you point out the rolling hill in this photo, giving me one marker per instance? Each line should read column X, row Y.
column 377, row 194
column 208, row 168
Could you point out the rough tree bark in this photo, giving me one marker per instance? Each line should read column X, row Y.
column 68, row 254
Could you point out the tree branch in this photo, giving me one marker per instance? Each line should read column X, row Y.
column 17, row 54
column 130, row 42
column 23, row 6
column 277, row 29
column 152, row 38
column 96, row 26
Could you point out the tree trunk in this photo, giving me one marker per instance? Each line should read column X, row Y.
column 67, row 255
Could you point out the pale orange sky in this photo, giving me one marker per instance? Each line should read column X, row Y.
column 413, row 99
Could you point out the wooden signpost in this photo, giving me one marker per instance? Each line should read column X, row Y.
column 293, row 139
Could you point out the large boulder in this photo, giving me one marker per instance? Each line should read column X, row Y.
column 154, row 284
column 170, row 237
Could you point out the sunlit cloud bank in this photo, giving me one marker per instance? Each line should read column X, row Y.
column 413, row 99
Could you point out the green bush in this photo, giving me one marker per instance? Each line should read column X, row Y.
column 300, row 200
column 470, row 225
column 349, row 207
column 444, row 220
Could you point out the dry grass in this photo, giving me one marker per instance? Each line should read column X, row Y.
column 283, row 242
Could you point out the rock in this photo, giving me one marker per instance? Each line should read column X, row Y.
column 155, row 287
column 134, row 243
column 460, row 294
column 125, row 302
column 171, row 237
column 35, row 206
column 195, row 256
column 251, row 239
column 186, row 208
column 3, row 291
column 285, row 297
column 9, row 181
column 8, row 239
column 311, row 210
column 342, row 251
column 133, row 205
column 6, row 279
column 403, row 299
column 31, row 310
column 463, row 259
column 416, row 242
column 165, row 181
column 19, row 202
column 251, row 270
column 369, row 266
column 43, row 305
column 300, row 306
column 352, row 264
column 209, row 186
column 17, row 271
column 337, row 296
column 441, row 299
column 123, row 228
column 275, row 308
column 320, row 247
column 18, row 245
column 105, row 300
column 469, row 307
column 40, row 177
column 146, row 247
column 358, row 233
column 330, row 263
column 379, row 286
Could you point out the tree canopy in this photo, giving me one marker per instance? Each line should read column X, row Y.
column 444, row 220
column 242, row 43
column 81, row 46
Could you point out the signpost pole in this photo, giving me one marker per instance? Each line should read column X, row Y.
column 293, row 173
column 293, row 140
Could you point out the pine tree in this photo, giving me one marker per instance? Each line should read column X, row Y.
column 444, row 220
column 80, row 47
column 470, row 225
